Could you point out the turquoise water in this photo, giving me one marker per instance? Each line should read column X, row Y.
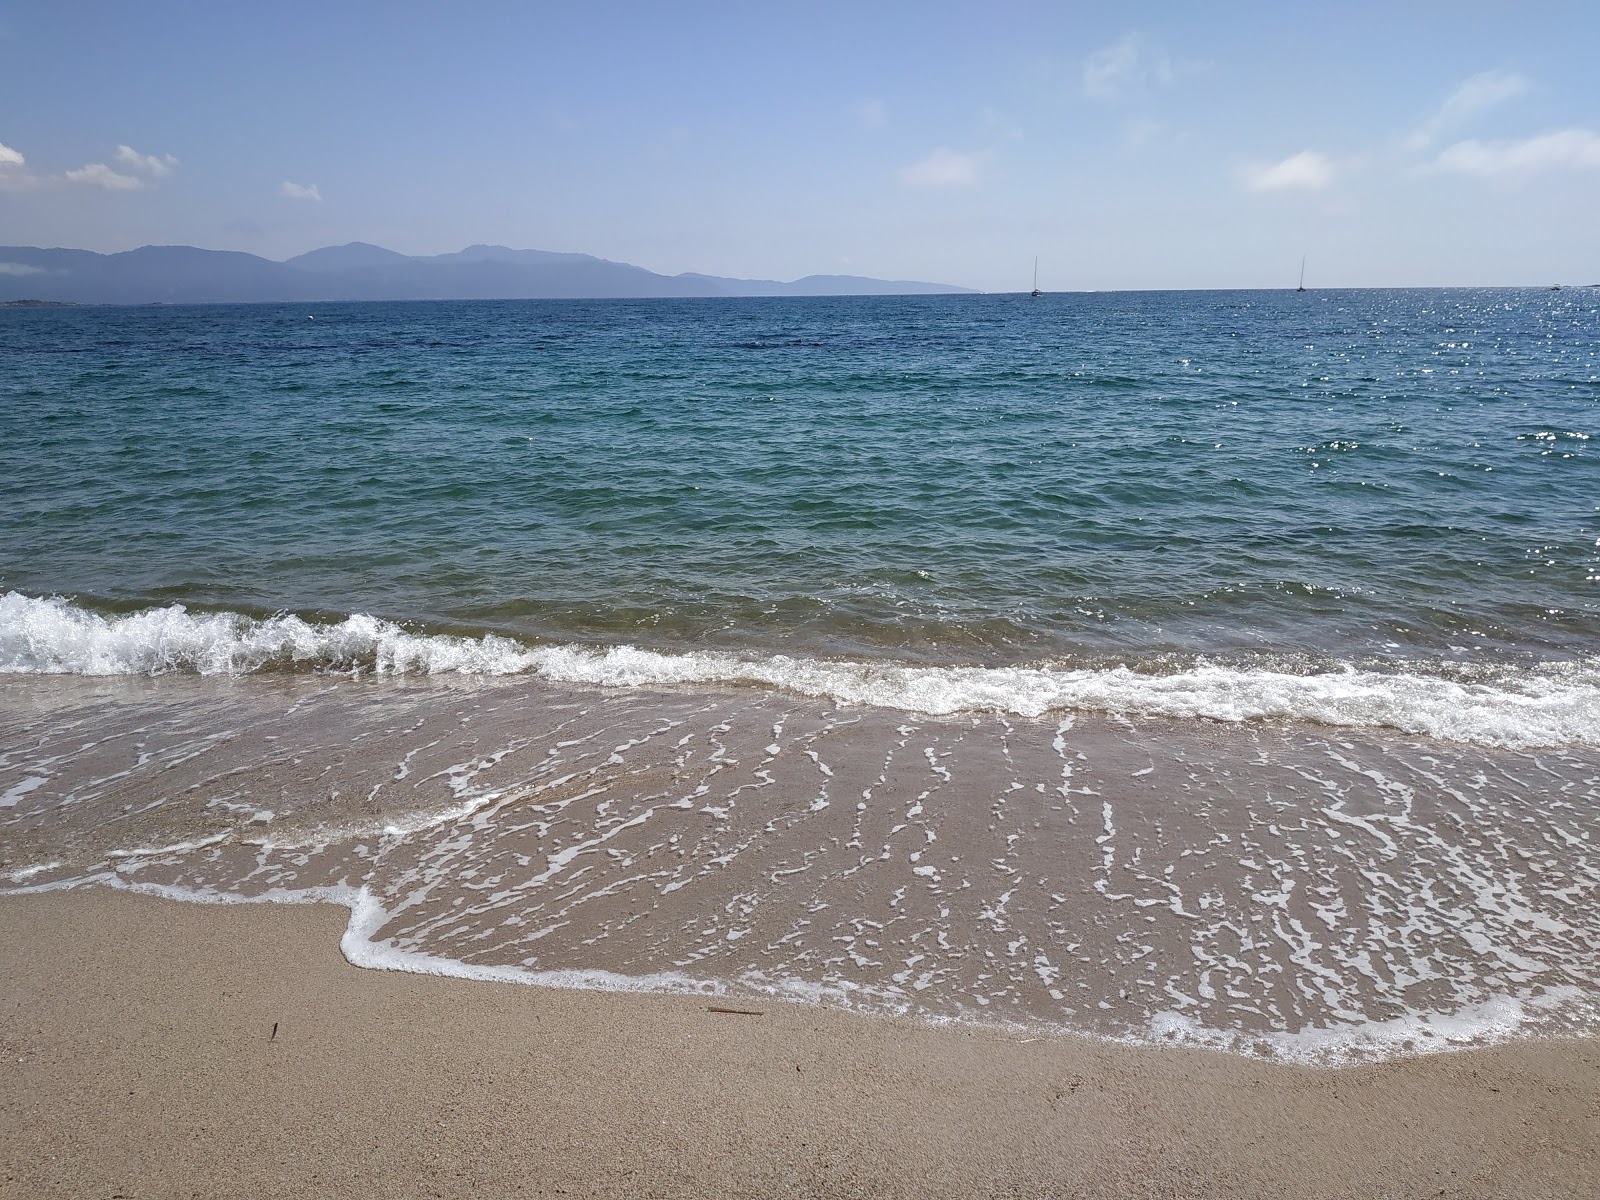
column 1094, row 478
column 1213, row 668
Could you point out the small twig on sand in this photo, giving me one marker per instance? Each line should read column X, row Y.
column 737, row 1012
column 274, row 1036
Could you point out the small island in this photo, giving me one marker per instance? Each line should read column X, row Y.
column 38, row 304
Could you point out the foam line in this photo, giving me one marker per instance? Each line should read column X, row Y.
column 1500, row 1019
column 1550, row 705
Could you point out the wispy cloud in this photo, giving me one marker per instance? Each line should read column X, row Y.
column 999, row 127
column 1308, row 171
column 1480, row 93
column 941, row 169
column 1136, row 135
column 1566, row 149
column 1129, row 63
column 16, row 175
column 11, row 268
column 157, row 166
column 101, row 176
column 873, row 113
column 300, row 191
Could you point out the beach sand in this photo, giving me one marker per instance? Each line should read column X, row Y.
column 139, row 1060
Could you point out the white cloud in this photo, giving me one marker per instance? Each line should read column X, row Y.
column 299, row 191
column 1571, row 149
column 1483, row 91
column 874, row 114
column 158, row 166
column 15, row 175
column 1478, row 94
column 10, row 268
column 942, row 168
column 101, row 176
column 1127, row 63
column 1306, row 171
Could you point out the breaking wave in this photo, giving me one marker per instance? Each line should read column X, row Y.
column 1549, row 705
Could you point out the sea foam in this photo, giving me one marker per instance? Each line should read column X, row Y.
column 1499, row 1019
column 1553, row 704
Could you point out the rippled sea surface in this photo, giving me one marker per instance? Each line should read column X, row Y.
column 948, row 479
column 1209, row 667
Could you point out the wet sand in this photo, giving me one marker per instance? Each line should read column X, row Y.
column 138, row 1060
column 1287, row 889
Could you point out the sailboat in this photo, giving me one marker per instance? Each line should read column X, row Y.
column 1036, row 291
column 1302, row 286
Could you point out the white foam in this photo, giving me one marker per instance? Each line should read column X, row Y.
column 1552, row 705
column 23, row 874
column 174, row 848
column 362, row 948
column 56, row 637
column 1495, row 1020
column 18, row 791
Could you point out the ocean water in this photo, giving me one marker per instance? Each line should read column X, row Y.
column 972, row 480
column 1218, row 667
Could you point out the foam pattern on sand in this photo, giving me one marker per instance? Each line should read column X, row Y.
column 1291, row 892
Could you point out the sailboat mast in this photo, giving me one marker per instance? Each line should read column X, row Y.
column 1302, row 286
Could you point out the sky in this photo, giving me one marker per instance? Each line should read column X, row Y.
column 1174, row 145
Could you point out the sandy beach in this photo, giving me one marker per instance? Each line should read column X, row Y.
column 876, row 603
column 140, row 1060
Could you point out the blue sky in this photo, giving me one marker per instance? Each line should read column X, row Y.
column 1127, row 146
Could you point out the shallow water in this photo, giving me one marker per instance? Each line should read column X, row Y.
column 1274, row 888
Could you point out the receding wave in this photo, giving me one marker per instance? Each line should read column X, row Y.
column 1551, row 705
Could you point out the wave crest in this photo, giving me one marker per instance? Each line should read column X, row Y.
column 1553, row 705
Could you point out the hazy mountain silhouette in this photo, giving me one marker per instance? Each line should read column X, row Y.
column 359, row 271
column 482, row 253
column 174, row 274
column 342, row 258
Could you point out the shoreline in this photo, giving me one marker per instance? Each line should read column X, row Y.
column 1327, row 896
column 139, row 1059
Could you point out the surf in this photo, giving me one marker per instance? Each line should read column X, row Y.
column 1549, row 704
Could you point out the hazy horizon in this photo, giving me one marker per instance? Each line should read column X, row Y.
column 954, row 289
column 1440, row 145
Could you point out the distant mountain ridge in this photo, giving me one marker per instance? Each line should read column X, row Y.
column 360, row 271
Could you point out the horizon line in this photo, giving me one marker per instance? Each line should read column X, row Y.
column 963, row 288
column 35, row 302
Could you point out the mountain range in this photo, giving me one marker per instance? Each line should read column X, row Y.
column 359, row 271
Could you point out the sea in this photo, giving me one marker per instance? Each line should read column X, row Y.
column 1203, row 668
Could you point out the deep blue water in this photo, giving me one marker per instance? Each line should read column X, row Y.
column 970, row 479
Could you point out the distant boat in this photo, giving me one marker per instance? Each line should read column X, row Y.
column 1302, row 286
column 1555, row 287
column 1036, row 291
